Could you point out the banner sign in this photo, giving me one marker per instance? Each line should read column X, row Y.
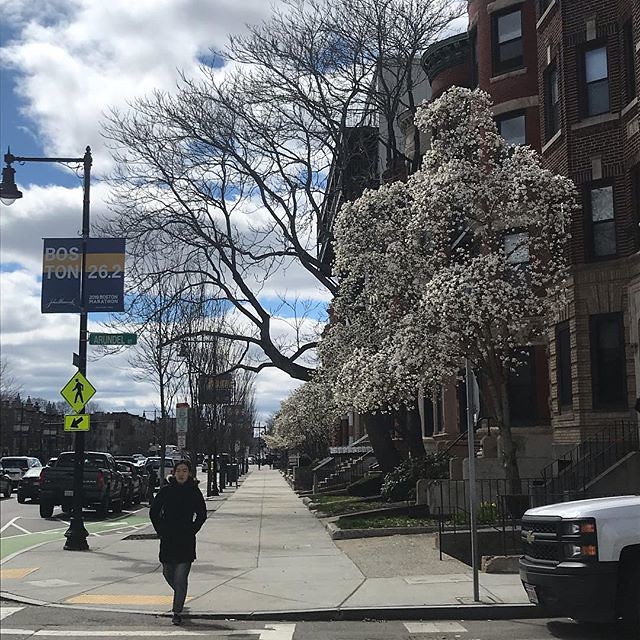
column 104, row 268
column 215, row 389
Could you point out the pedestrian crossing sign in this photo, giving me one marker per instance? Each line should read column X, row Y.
column 76, row 423
column 78, row 391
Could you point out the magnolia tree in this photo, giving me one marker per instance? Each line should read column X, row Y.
column 464, row 260
column 306, row 420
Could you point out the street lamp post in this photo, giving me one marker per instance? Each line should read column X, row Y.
column 76, row 535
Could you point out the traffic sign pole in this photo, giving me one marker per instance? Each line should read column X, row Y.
column 77, row 534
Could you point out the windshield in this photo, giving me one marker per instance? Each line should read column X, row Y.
column 14, row 463
column 90, row 461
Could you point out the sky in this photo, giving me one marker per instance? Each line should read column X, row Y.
column 63, row 64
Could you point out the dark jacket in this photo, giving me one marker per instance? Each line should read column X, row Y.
column 177, row 514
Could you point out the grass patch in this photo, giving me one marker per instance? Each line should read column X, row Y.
column 341, row 508
column 382, row 522
column 321, row 498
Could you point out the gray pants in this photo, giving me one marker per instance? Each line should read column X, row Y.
column 177, row 576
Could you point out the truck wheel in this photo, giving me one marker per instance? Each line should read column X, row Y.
column 630, row 595
column 116, row 505
column 46, row 510
column 103, row 507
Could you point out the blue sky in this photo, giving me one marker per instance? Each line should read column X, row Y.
column 63, row 64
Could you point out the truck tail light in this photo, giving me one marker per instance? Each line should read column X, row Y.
column 100, row 480
column 41, row 478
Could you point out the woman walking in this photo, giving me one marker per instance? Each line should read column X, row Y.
column 177, row 514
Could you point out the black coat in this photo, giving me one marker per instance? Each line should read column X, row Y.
column 177, row 514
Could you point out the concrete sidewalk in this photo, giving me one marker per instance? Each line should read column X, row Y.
column 263, row 554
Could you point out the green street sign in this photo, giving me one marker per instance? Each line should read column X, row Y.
column 113, row 339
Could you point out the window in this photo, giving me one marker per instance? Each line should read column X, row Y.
column 608, row 376
column 516, row 248
column 521, row 388
column 629, row 61
column 563, row 365
column 596, row 82
column 507, row 41
column 602, row 221
column 552, row 100
column 513, row 128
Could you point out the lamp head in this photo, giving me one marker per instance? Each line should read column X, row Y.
column 9, row 192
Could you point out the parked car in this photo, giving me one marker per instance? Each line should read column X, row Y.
column 154, row 462
column 134, row 491
column 103, row 484
column 29, row 485
column 581, row 559
column 6, row 485
column 16, row 466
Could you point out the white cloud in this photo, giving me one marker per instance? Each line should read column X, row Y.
column 74, row 59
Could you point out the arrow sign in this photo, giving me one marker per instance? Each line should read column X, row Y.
column 76, row 423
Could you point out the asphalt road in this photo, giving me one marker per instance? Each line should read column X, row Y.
column 29, row 621
column 21, row 525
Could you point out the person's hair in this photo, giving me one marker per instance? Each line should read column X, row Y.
column 184, row 461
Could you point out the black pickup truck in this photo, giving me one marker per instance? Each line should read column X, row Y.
column 103, row 485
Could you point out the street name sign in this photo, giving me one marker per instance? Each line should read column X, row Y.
column 76, row 423
column 77, row 392
column 113, row 339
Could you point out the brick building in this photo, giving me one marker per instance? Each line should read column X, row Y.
column 563, row 77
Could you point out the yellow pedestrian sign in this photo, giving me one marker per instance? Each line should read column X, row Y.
column 78, row 391
column 77, row 423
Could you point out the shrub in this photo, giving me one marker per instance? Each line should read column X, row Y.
column 400, row 484
column 488, row 513
column 369, row 485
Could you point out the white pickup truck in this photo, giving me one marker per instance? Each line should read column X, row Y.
column 581, row 559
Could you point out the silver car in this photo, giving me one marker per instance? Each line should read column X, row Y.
column 16, row 466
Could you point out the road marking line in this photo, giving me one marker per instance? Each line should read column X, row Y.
column 434, row 627
column 94, row 598
column 5, row 612
column 9, row 523
column 16, row 574
column 270, row 632
column 20, row 528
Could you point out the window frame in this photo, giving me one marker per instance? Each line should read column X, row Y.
column 563, row 366
column 512, row 64
column 512, row 115
column 597, row 377
column 584, row 85
column 552, row 112
column 590, row 230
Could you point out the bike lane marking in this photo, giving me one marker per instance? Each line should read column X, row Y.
column 10, row 546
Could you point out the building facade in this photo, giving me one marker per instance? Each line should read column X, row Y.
column 563, row 78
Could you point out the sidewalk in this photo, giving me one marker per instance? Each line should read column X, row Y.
column 263, row 554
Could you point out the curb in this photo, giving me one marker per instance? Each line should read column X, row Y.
column 478, row 611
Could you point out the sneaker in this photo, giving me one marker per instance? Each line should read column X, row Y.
column 177, row 618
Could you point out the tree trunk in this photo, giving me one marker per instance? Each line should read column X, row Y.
column 499, row 398
column 381, row 442
column 414, row 432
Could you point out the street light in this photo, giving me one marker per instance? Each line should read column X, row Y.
column 76, row 535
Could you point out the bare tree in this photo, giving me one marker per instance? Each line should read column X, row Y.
column 226, row 178
column 9, row 387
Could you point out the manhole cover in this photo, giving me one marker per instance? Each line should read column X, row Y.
column 142, row 536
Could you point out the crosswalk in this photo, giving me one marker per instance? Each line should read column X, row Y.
column 256, row 631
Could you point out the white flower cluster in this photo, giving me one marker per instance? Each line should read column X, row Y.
column 306, row 419
column 456, row 262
